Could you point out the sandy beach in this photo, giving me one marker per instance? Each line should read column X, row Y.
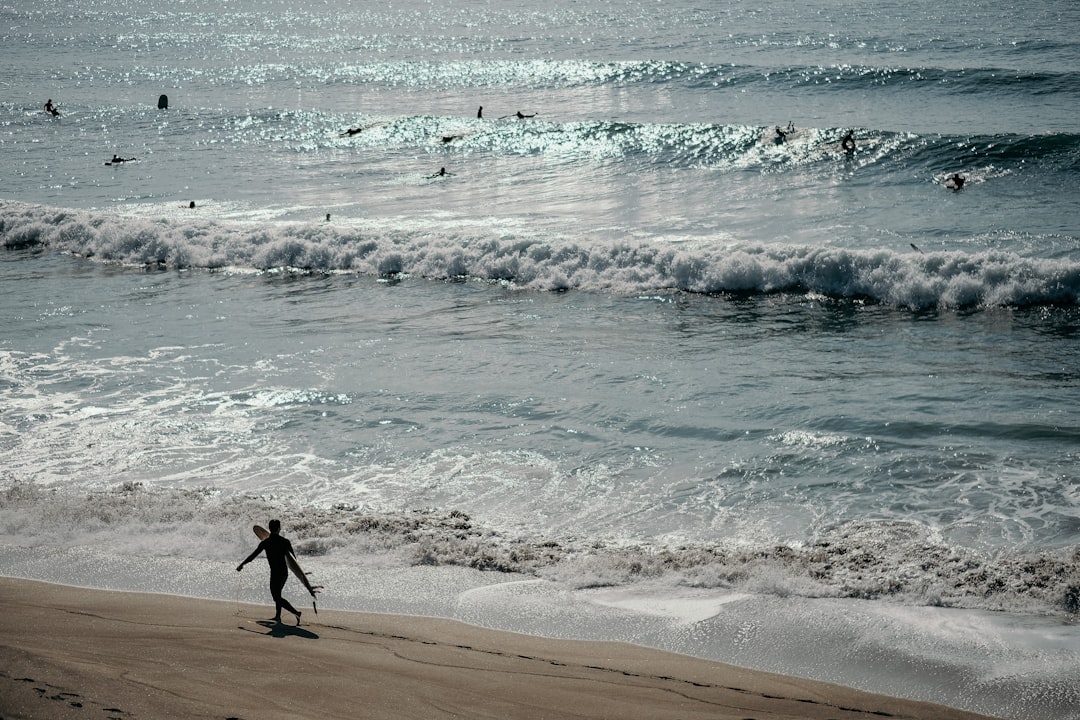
column 69, row 652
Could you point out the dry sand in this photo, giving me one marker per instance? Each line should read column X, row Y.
column 75, row 653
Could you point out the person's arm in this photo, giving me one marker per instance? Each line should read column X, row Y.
column 250, row 557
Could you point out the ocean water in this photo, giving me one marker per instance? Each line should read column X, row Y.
column 632, row 369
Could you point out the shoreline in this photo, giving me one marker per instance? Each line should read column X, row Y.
column 69, row 652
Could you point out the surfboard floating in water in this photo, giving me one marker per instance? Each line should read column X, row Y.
column 294, row 567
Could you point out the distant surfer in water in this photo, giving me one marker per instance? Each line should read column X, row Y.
column 848, row 143
column 51, row 109
column 956, row 182
column 356, row 130
column 442, row 173
column 116, row 160
column 480, row 113
column 277, row 549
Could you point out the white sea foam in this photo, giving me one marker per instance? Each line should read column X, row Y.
column 941, row 279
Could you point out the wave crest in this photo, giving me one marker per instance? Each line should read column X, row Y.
column 902, row 278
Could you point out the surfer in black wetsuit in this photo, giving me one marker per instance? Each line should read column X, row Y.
column 51, row 109
column 277, row 549
column 848, row 143
column 782, row 133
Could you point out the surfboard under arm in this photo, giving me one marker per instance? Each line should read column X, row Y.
column 300, row 575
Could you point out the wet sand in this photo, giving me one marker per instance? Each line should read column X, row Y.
column 74, row 653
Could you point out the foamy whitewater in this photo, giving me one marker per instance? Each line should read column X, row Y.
column 634, row 368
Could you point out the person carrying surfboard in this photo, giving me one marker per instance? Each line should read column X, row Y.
column 278, row 549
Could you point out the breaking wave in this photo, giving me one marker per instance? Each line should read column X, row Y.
column 904, row 278
column 895, row 561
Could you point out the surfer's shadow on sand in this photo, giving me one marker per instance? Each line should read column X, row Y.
column 280, row 630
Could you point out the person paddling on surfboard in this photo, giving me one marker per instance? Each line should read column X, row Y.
column 278, row 549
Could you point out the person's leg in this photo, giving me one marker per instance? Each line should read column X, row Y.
column 277, row 582
column 276, row 585
column 285, row 604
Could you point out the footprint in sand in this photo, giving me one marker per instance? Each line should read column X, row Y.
column 49, row 692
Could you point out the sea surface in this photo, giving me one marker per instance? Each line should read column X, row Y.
column 634, row 368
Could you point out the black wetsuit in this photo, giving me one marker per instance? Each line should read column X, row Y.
column 277, row 549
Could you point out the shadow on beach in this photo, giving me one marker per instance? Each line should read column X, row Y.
column 281, row 630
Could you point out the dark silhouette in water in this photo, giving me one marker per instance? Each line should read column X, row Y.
column 848, row 143
column 956, row 182
column 51, row 109
column 782, row 133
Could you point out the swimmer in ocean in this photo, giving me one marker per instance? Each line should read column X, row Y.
column 956, row 182
column 442, row 173
column 848, row 143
